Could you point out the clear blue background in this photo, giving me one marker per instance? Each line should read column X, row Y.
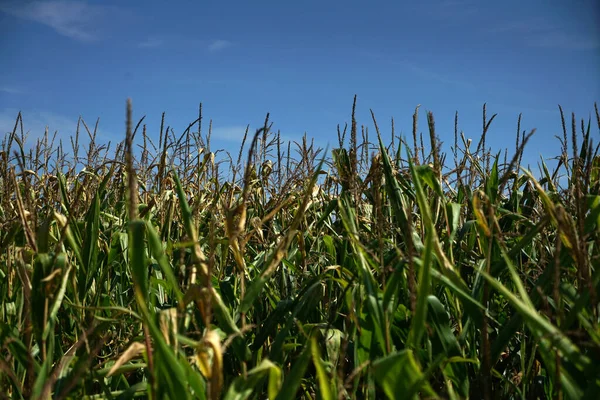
column 302, row 62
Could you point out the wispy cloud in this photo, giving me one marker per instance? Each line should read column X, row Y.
column 35, row 123
column 152, row 43
column 418, row 70
column 521, row 26
column 175, row 40
column 436, row 76
column 522, row 108
column 10, row 90
column 231, row 137
column 453, row 12
column 563, row 40
column 74, row 19
column 539, row 32
column 217, row 45
column 232, row 133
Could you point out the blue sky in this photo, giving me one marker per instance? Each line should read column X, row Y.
column 302, row 62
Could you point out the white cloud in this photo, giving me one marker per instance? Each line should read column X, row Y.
column 234, row 133
column 73, row 19
column 518, row 108
column 522, row 26
column 446, row 13
column 35, row 123
column 174, row 40
column 10, row 90
column 563, row 40
column 217, row 45
column 440, row 77
column 539, row 32
column 151, row 42
column 230, row 137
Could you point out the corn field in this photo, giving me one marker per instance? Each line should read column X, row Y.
column 163, row 269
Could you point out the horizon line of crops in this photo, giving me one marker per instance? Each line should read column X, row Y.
column 161, row 270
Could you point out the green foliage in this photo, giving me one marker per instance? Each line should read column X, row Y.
column 168, row 273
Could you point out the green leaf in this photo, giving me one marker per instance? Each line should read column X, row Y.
column 428, row 175
column 190, row 228
column 42, row 266
column 440, row 322
column 52, row 318
column 227, row 324
column 453, row 210
column 398, row 374
column 325, row 383
column 137, row 260
column 544, row 330
column 90, row 247
column 299, row 304
column 395, row 193
column 156, row 249
column 419, row 320
column 169, row 372
column 44, row 372
column 278, row 253
column 333, row 342
column 242, row 388
column 592, row 219
column 595, row 172
column 366, row 265
column 292, row 382
column 491, row 186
